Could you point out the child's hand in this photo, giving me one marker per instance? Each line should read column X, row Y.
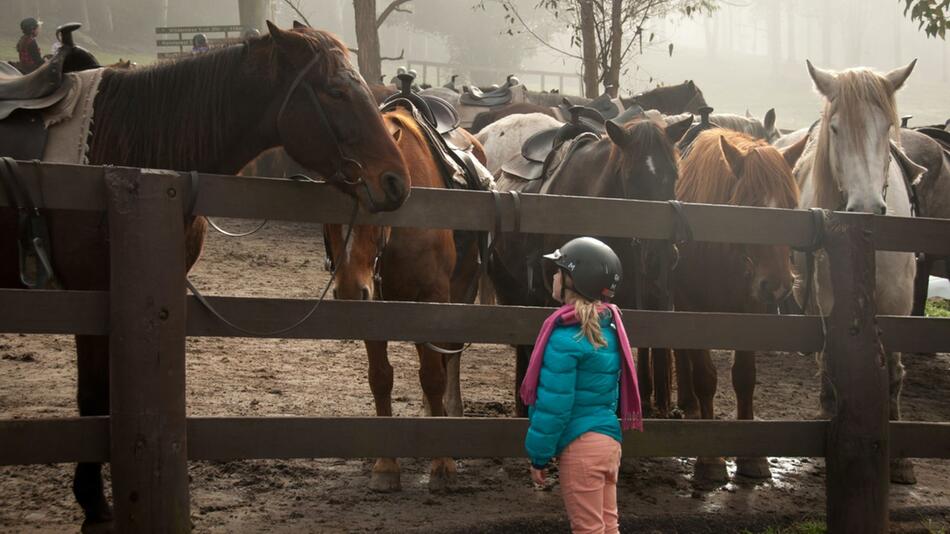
column 538, row 475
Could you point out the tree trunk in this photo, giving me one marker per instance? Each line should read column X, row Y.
column 367, row 40
column 589, row 43
column 253, row 13
column 612, row 79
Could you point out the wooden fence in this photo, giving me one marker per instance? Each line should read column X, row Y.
column 148, row 438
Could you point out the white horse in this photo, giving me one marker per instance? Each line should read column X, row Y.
column 847, row 165
column 502, row 139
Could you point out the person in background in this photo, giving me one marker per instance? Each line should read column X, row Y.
column 199, row 44
column 580, row 372
column 26, row 47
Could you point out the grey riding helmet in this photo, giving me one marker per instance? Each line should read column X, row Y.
column 593, row 266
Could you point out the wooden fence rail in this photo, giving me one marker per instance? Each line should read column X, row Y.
column 86, row 312
column 291, row 200
column 42, row 441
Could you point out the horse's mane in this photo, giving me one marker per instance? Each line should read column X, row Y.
column 177, row 113
column 856, row 90
column 408, row 123
column 706, row 177
column 748, row 125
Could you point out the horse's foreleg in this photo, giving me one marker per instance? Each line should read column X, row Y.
column 453, row 385
column 645, row 380
column 709, row 470
column 663, row 380
column 385, row 476
column 902, row 469
column 432, row 377
column 686, row 399
column 522, row 358
column 92, row 354
column 743, row 381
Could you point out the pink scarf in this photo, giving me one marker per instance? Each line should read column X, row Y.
column 631, row 417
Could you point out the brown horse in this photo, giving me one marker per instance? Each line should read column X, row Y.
column 669, row 100
column 725, row 167
column 213, row 113
column 414, row 264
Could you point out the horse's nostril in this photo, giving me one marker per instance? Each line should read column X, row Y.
column 882, row 210
column 334, row 294
column 365, row 293
column 394, row 185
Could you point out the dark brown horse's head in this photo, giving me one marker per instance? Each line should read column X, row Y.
column 328, row 119
column 725, row 167
column 644, row 160
column 669, row 99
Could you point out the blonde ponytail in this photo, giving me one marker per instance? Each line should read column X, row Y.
column 588, row 314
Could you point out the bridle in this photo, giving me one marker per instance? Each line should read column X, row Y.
column 348, row 171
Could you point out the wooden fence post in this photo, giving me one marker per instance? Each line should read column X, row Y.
column 149, row 452
column 857, row 442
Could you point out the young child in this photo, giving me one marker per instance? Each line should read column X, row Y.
column 581, row 361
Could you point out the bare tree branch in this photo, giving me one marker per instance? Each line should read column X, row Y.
column 535, row 35
column 402, row 54
column 296, row 9
column 393, row 6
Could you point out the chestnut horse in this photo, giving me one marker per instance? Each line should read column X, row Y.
column 726, row 167
column 414, row 264
column 213, row 113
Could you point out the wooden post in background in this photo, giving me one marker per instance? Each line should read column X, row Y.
column 149, row 452
column 857, row 448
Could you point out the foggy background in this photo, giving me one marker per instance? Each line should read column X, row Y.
column 750, row 54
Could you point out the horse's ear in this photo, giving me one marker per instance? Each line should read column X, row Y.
column 298, row 25
column 734, row 158
column 617, row 134
column 676, row 131
column 769, row 121
column 290, row 43
column 897, row 77
column 825, row 80
column 793, row 152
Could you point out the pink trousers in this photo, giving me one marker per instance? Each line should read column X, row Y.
column 588, row 470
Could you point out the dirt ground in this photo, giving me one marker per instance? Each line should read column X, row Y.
column 328, row 378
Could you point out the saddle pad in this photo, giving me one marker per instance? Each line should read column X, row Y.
column 70, row 121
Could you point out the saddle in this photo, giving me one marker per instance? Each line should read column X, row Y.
column 536, row 151
column 603, row 104
column 473, row 96
column 438, row 113
column 686, row 142
column 941, row 136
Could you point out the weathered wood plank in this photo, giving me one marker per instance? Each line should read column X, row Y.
column 80, row 187
column 149, row 453
column 43, row 441
column 86, row 312
column 855, row 388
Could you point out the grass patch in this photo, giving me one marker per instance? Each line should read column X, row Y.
column 937, row 307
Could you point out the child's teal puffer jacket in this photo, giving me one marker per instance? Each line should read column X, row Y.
column 577, row 392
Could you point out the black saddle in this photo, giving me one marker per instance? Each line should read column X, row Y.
column 475, row 97
column 603, row 104
column 531, row 163
column 686, row 142
column 436, row 111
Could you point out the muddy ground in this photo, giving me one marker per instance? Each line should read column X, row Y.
column 327, row 378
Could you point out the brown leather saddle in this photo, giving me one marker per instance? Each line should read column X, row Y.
column 22, row 97
column 473, row 96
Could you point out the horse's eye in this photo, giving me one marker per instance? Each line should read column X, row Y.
column 336, row 93
column 834, row 129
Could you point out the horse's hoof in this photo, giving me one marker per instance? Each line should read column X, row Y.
column 757, row 467
column 902, row 471
column 442, row 475
column 97, row 526
column 385, row 481
column 710, row 472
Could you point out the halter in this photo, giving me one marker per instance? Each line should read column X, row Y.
column 343, row 163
